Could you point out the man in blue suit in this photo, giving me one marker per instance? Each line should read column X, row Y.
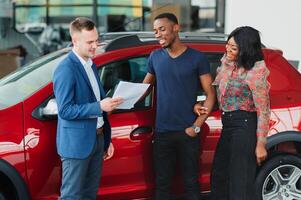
column 83, row 132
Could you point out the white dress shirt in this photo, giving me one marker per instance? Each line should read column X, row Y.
column 95, row 87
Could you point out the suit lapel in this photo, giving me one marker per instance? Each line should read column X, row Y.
column 85, row 76
column 79, row 67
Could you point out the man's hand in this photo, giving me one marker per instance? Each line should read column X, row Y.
column 190, row 131
column 108, row 104
column 109, row 153
column 200, row 110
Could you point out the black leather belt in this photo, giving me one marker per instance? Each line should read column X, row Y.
column 99, row 131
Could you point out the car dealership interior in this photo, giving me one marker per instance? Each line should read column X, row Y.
column 29, row 29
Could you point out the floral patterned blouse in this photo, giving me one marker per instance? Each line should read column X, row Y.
column 240, row 89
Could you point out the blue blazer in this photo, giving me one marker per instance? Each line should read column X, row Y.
column 78, row 109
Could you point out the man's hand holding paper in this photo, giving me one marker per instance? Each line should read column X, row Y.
column 108, row 104
column 130, row 93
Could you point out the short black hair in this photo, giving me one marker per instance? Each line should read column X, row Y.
column 249, row 44
column 170, row 16
column 81, row 23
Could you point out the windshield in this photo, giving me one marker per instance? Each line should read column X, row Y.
column 27, row 80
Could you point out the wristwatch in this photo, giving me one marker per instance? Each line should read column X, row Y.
column 196, row 129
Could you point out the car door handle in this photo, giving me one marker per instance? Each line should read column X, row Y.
column 141, row 132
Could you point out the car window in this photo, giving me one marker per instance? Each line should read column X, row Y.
column 131, row 70
column 214, row 60
column 17, row 86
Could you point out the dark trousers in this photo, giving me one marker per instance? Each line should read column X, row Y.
column 169, row 146
column 81, row 177
column 234, row 165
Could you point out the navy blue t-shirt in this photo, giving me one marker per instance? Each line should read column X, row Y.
column 177, row 81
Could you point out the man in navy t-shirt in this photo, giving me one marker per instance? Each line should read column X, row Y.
column 178, row 72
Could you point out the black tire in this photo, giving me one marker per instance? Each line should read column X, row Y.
column 12, row 185
column 7, row 194
column 280, row 178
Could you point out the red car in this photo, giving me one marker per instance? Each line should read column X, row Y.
column 30, row 167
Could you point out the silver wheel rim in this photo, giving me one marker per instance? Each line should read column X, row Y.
column 283, row 183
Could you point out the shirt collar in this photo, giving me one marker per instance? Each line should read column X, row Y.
column 82, row 61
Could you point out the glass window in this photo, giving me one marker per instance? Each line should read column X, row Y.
column 214, row 60
column 30, row 15
column 15, row 87
column 31, row 2
column 109, row 15
column 207, row 15
column 131, row 70
column 34, row 20
column 69, row 13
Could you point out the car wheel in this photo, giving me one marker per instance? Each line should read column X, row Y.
column 280, row 178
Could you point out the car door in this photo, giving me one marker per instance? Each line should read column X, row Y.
column 42, row 161
column 128, row 174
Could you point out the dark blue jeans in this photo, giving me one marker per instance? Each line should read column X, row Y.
column 234, row 166
column 169, row 146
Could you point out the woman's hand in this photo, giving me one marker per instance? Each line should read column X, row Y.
column 260, row 152
column 199, row 109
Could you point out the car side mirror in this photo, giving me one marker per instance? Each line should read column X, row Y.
column 50, row 110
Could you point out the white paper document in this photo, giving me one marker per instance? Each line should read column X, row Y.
column 130, row 92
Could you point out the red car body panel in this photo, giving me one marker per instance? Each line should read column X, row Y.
column 12, row 139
